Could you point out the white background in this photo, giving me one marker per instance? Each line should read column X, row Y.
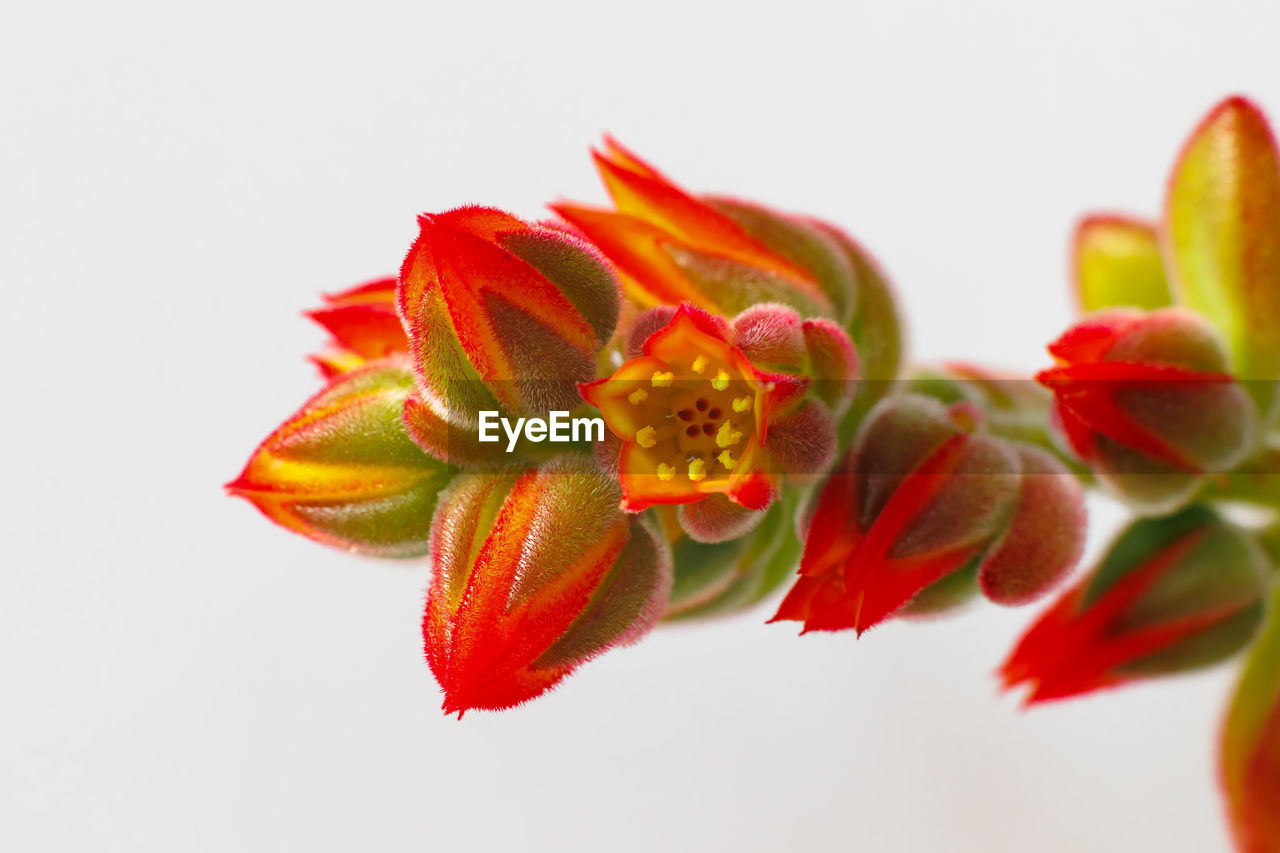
column 177, row 181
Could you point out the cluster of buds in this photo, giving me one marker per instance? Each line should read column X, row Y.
column 729, row 355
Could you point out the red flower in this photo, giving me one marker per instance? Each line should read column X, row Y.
column 922, row 494
column 1171, row 594
column 364, row 324
column 694, row 416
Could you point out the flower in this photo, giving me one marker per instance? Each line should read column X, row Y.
column 1148, row 402
column 923, row 493
column 532, row 574
column 364, row 324
column 696, row 417
column 1170, row 595
column 343, row 470
column 502, row 314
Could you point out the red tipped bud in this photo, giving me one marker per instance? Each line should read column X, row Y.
column 503, row 314
column 1170, row 595
column 532, row 575
column 924, row 493
column 1148, row 402
column 343, row 470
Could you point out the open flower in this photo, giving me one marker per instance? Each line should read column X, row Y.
column 1171, row 595
column 696, row 417
column 922, row 494
column 1148, row 401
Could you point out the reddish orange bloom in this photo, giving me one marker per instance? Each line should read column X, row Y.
column 1172, row 594
column 364, row 324
column 921, row 495
column 672, row 247
column 693, row 414
column 532, row 575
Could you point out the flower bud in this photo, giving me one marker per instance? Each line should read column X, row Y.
column 532, row 575
column 1222, row 239
column 364, row 324
column 923, row 493
column 1170, row 595
column 1250, row 749
column 672, row 247
column 343, row 470
column 1148, row 402
column 503, row 315
column 697, row 417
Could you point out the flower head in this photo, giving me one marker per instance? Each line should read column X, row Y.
column 695, row 416
column 533, row 574
column 922, row 494
column 1170, row 595
column 1148, row 401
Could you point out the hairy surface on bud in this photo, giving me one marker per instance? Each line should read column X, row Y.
column 533, row 574
column 1170, row 595
column 924, row 493
column 1148, row 402
column 502, row 314
column 344, row 472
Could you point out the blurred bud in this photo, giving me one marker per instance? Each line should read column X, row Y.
column 696, row 417
column 364, row 324
column 532, row 575
column 502, row 314
column 724, row 577
column 1250, row 749
column 1222, row 230
column 1118, row 265
column 722, row 256
column 923, row 493
column 1148, row 402
column 343, row 471
column 1170, row 595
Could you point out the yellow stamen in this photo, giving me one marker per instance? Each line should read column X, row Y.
column 721, row 381
column 698, row 470
column 665, row 471
column 647, row 437
column 727, row 436
column 741, row 404
column 700, row 364
column 727, row 460
column 662, row 380
column 638, row 396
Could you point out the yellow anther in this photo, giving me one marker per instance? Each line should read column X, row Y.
column 662, row 380
column 698, row 470
column 727, row 460
column 721, row 381
column 727, row 436
column 638, row 396
column 741, row 404
column 700, row 364
column 665, row 471
column 647, row 437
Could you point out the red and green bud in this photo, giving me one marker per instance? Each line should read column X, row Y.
column 1147, row 400
column 672, row 247
column 1171, row 595
column 365, row 326
column 1117, row 264
column 343, row 470
column 696, row 416
column 925, row 492
column 502, row 314
column 1250, row 749
column 533, row 574
column 1222, row 239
